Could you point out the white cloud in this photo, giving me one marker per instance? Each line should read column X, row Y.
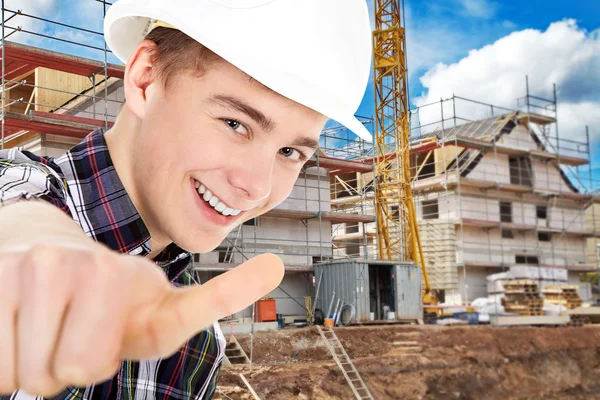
column 563, row 54
column 479, row 8
column 444, row 31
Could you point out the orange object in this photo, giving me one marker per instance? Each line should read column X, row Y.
column 266, row 310
column 329, row 322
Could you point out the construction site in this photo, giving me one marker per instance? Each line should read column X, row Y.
column 454, row 257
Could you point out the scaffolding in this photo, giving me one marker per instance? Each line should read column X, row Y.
column 498, row 187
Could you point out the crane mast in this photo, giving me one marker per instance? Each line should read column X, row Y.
column 397, row 230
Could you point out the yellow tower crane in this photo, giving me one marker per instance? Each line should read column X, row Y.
column 397, row 230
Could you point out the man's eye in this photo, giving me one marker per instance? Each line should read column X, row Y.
column 236, row 126
column 291, row 153
column 233, row 124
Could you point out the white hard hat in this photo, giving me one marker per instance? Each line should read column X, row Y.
column 314, row 52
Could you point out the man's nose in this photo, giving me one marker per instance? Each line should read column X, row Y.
column 252, row 176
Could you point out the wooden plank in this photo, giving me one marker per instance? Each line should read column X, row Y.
column 509, row 320
column 72, row 118
column 536, row 118
column 352, row 236
column 571, row 160
column 28, row 57
column 515, row 188
column 340, row 165
column 249, row 387
column 341, row 218
column 20, row 122
column 9, row 141
column 585, row 311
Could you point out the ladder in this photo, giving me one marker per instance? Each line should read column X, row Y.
column 343, row 361
column 234, row 354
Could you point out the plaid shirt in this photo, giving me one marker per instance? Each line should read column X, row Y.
column 84, row 184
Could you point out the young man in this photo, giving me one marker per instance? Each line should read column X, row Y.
column 225, row 101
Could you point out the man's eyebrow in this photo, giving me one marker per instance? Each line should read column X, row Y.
column 232, row 102
column 306, row 142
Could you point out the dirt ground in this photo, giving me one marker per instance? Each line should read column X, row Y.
column 467, row 362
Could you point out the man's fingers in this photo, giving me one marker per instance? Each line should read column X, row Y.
column 39, row 320
column 8, row 307
column 88, row 321
column 7, row 350
column 186, row 311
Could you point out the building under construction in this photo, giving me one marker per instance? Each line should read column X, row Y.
column 493, row 187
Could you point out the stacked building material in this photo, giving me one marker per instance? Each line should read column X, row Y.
column 563, row 294
column 579, row 320
column 523, row 298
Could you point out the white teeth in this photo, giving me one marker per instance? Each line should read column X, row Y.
column 213, row 200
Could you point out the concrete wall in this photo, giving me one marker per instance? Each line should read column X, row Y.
column 310, row 192
column 49, row 145
column 474, row 284
column 482, row 246
column 492, row 167
column 518, row 138
column 592, row 222
column 96, row 108
column 495, row 167
column 288, row 239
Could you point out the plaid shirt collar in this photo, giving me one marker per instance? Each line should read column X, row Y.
column 100, row 204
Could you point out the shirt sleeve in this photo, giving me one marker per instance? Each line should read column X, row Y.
column 22, row 178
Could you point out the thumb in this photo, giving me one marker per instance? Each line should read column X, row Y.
column 187, row 311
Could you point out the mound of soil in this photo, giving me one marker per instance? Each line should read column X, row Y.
column 469, row 362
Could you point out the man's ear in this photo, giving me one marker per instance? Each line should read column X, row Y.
column 138, row 77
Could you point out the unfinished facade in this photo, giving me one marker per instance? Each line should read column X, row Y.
column 502, row 191
column 492, row 193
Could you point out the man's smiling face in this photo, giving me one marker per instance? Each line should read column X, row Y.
column 217, row 150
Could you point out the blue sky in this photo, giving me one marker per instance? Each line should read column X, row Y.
column 444, row 31
column 479, row 49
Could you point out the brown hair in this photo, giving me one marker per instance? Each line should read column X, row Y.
column 176, row 52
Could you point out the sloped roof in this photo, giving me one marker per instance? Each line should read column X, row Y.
column 489, row 130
